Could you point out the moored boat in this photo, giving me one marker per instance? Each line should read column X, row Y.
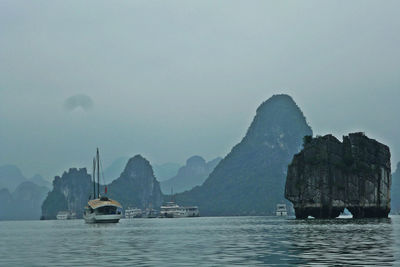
column 66, row 215
column 101, row 209
column 173, row 210
column 281, row 210
column 131, row 213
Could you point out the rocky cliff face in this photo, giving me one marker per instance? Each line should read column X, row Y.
column 137, row 186
column 328, row 176
column 194, row 173
column 250, row 180
column 70, row 192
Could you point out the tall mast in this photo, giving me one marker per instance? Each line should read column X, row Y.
column 94, row 178
column 98, row 173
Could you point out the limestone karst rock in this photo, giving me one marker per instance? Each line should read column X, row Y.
column 70, row 192
column 250, row 180
column 137, row 186
column 328, row 176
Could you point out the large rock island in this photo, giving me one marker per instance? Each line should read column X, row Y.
column 328, row 176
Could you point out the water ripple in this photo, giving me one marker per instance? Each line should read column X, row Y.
column 248, row 241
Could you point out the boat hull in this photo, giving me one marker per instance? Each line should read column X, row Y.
column 96, row 218
column 178, row 215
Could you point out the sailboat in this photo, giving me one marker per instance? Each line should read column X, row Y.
column 101, row 209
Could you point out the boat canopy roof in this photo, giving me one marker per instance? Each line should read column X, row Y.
column 101, row 202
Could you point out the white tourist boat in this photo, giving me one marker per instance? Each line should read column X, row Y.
column 173, row 210
column 101, row 209
column 281, row 210
column 131, row 213
column 66, row 215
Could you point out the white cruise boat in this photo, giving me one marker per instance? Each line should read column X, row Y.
column 131, row 213
column 172, row 210
column 66, row 215
column 101, row 209
column 281, row 210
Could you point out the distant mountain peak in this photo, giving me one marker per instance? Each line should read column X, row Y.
column 39, row 180
column 137, row 159
column 137, row 163
column 11, row 168
column 192, row 174
column 250, row 179
column 137, row 185
column 10, row 177
column 276, row 123
column 277, row 98
column 195, row 160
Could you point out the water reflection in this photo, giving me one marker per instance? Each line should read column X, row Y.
column 342, row 241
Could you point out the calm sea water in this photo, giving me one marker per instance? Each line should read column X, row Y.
column 201, row 241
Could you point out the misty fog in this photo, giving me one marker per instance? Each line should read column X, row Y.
column 172, row 79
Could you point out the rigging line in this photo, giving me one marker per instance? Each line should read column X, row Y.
column 102, row 173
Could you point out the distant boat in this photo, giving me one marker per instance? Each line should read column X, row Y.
column 131, row 213
column 66, row 215
column 172, row 210
column 281, row 210
column 101, row 209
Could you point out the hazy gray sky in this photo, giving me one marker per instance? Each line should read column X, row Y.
column 170, row 79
